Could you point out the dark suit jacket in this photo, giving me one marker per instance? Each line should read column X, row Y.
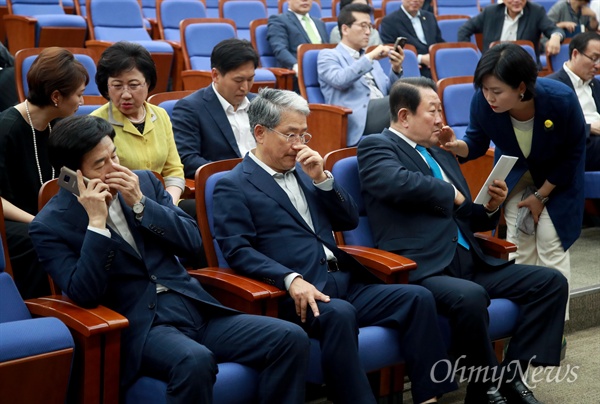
column 532, row 24
column 592, row 153
column 397, row 24
column 285, row 33
column 262, row 234
column 557, row 154
column 93, row 269
column 202, row 131
column 413, row 213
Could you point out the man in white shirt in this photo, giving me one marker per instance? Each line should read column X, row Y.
column 579, row 73
column 212, row 123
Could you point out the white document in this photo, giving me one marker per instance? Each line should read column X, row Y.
column 499, row 172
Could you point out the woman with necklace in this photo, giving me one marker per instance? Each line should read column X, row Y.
column 540, row 122
column 56, row 83
column 144, row 136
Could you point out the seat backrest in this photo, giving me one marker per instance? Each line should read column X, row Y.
column 555, row 62
column 198, row 38
column 206, row 178
column 547, row 4
column 456, row 94
column 34, row 7
column 343, row 164
column 168, row 100
column 315, row 8
column 468, row 7
column 389, row 6
column 258, row 37
column 449, row 26
column 12, row 306
column 308, row 78
column 108, row 25
column 169, row 13
column 80, row 8
column 25, row 58
column 243, row 12
column 4, row 258
column 149, row 8
column 410, row 64
column 444, row 57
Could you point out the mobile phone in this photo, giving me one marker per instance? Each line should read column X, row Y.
column 400, row 42
column 67, row 179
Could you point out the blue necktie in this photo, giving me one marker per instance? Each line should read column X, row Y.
column 437, row 173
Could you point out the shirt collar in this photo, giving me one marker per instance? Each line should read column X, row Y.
column 227, row 106
column 353, row 52
column 410, row 17
column 265, row 167
column 518, row 15
column 575, row 79
column 412, row 143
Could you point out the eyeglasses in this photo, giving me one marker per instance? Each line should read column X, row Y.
column 303, row 138
column 594, row 61
column 365, row 26
column 132, row 88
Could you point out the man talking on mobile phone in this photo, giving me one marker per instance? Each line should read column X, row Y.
column 118, row 244
column 352, row 78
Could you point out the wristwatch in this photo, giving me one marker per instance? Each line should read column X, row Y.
column 542, row 199
column 138, row 208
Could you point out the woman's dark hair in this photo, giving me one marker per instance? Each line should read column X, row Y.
column 511, row 64
column 54, row 69
column 73, row 137
column 232, row 53
column 406, row 93
column 122, row 57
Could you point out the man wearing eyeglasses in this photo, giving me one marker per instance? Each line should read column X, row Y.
column 274, row 217
column 579, row 73
column 352, row 78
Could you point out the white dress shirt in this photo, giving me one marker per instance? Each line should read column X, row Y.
column 585, row 96
column 510, row 26
column 240, row 124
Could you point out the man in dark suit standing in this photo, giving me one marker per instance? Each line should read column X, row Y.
column 274, row 219
column 418, row 26
column 513, row 20
column 419, row 206
column 118, row 244
column 287, row 30
column 579, row 73
column 212, row 123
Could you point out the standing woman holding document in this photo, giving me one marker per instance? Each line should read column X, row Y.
column 541, row 123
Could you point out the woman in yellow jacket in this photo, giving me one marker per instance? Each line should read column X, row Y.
column 144, row 141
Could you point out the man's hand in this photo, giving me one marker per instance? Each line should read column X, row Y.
column 425, row 60
column 595, row 128
column 553, row 45
column 311, row 161
column 95, row 198
column 498, row 190
column 126, row 182
column 459, row 198
column 567, row 25
column 380, row 52
column 305, row 294
column 396, row 59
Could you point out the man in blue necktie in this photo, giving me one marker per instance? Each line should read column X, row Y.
column 419, row 206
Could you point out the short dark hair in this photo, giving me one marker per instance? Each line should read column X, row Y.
column 406, row 93
column 54, row 69
column 346, row 18
column 581, row 41
column 511, row 64
column 121, row 57
column 231, row 53
column 73, row 137
column 344, row 3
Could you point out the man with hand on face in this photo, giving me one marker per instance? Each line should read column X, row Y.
column 419, row 206
column 352, row 78
column 274, row 216
column 118, row 243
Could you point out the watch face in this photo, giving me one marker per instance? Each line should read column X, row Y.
column 138, row 208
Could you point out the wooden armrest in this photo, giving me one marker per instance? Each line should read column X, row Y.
column 284, row 78
column 86, row 322
column 238, row 291
column 97, row 47
column 387, row 266
column 494, row 246
column 195, row 79
column 20, row 32
column 190, row 189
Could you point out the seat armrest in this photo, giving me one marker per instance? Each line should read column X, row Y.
column 494, row 246
column 20, row 32
column 284, row 78
column 238, row 291
column 387, row 266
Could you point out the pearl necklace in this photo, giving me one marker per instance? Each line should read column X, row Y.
column 138, row 121
column 37, row 159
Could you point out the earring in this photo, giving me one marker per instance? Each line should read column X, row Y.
column 521, row 96
column 56, row 104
